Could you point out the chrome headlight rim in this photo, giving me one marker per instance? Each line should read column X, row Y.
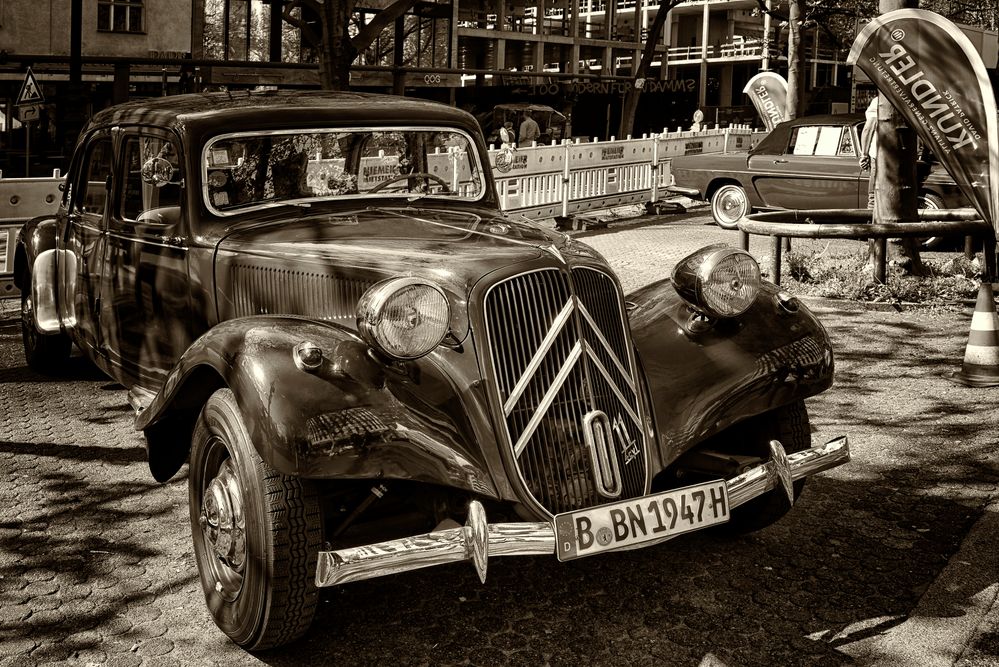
column 691, row 274
column 371, row 312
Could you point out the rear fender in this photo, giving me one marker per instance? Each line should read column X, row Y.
column 341, row 421
column 35, row 263
column 702, row 383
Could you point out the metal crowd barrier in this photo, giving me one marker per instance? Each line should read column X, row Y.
column 20, row 200
column 857, row 224
column 572, row 177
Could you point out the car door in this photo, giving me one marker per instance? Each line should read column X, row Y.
column 83, row 241
column 146, row 318
column 817, row 169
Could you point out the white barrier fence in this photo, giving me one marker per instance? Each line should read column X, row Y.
column 572, row 177
column 20, row 200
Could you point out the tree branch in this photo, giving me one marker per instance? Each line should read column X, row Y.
column 307, row 32
column 370, row 32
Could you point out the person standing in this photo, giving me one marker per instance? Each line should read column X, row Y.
column 869, row 147
column 529, row 130
column 506, row 135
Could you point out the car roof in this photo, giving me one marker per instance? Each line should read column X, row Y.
column 826, row 119
column 277, row 107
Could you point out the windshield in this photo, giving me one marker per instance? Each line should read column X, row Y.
column 255, row 169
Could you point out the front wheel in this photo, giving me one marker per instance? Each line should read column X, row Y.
column 44, row 353
column 729, row 204
column 256, row 533
column 788, row 424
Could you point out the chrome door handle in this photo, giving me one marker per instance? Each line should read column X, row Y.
column 780, row 161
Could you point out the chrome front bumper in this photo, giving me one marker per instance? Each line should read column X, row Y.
column 477, row 540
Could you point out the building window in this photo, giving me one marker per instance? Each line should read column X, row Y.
column 119, row 15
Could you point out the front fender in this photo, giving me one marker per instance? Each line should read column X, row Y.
column 343, row 421
column 702, row 383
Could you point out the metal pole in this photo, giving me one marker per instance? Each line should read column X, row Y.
column 775, row 245
column 27, row 149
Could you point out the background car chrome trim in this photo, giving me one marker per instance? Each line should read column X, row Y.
column 454, row 545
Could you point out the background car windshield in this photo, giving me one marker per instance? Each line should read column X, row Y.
column 248, row 170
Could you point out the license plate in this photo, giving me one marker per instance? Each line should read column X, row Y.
column 641, row 520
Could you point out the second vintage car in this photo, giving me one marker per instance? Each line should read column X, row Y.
column 810, row 162
column 315, row 302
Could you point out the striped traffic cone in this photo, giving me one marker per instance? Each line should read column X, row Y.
column 981, row 357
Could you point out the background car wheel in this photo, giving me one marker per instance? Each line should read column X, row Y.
column 256, row 533
column 46, row 354
column 789, row 424
column 927, row 200
column 729, row 203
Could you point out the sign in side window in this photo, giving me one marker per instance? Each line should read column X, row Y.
column 846, row 147
column 95, row 173
column 828, row 141
column 803, row 140
column 821, row 140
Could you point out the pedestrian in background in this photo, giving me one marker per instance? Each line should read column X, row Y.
column 506, row 135
column 869, row 147
column 529, row 130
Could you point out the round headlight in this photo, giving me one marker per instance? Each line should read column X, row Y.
column 718, row 281
column 405, row 318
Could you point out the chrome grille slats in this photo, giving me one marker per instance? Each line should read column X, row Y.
column 577, row 323
column 266, row 290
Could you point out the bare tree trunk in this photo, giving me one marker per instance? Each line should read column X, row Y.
column 795, row 82
column 336, row 52
column 337, row 49
column 648, row 53
column 895, row 194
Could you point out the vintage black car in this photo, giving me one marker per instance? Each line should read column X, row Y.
column 810, row 162
column 315, row 301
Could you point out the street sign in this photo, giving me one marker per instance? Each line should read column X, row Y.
column 31, row 92
column 29, row 113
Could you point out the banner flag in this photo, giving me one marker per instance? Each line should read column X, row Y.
column 929, row 70
column 768, row 91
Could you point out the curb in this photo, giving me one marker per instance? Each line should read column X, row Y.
column 953, row 611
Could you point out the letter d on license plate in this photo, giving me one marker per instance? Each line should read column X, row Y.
column 641, row 520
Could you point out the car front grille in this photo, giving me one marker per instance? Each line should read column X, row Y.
column 560, row 352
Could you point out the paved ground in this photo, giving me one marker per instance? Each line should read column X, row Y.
column 96, row 564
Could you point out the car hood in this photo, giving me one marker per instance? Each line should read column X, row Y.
column 318, row 265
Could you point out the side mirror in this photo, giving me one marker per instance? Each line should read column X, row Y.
column 157, row 171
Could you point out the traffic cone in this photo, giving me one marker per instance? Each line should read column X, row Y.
column 981, row 357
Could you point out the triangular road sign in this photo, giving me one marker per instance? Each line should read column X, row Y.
column 31, row 92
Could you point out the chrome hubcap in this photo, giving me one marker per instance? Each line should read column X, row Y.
column 731, row 206
column 224, row 525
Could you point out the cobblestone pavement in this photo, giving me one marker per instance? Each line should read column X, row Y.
column 96, row 564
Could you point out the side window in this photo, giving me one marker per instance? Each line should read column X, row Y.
column 822, row 140
column 152, row 179
column 95, row 172
column 846, row 147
